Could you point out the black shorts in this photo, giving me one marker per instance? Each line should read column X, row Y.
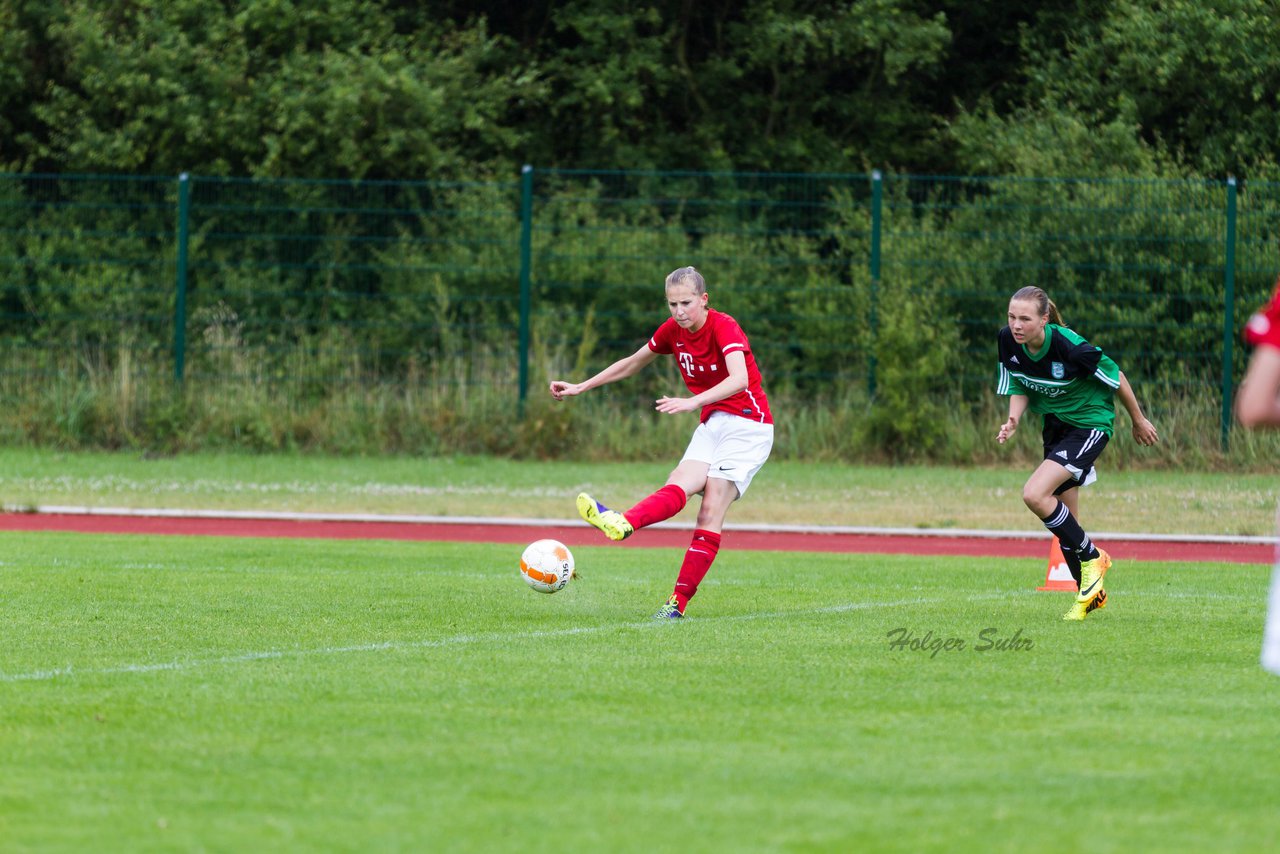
column 1074, row 448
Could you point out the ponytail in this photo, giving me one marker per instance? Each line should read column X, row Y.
column 1054, row 317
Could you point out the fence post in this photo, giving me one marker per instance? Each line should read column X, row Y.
column 526, row 274
column 180, row 301
column 877, row 200
column 1228, row 312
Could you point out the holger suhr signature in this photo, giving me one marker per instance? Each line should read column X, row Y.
column 989, row 639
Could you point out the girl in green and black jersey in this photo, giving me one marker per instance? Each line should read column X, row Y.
column 1049, row 369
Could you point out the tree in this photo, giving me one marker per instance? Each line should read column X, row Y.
column 266, row 87
column 1196, row 83
column 782, row 85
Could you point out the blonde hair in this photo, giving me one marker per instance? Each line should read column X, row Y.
column 690, row 275
column 1044, row 305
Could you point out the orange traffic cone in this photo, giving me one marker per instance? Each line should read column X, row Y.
column 1058, row 575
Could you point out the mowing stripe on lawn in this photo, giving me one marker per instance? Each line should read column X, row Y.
column 47, row 674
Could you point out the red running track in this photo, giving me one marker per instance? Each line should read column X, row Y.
column 575, row 535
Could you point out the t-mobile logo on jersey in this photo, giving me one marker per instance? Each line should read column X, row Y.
column 686, row 362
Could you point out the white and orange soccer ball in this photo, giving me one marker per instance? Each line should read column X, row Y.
column 546, row 565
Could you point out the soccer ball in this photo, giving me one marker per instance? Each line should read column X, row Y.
column 546, row 565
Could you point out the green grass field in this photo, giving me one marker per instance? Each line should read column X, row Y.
column 248, row 695
column 1165, row 502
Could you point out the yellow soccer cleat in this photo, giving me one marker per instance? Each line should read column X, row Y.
column 1080, row 610
column 1091, row 572
column 613, row 523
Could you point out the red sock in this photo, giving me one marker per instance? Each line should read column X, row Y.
column 663, row 504
column 697, row 560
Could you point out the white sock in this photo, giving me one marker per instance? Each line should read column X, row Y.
column 1271, row 633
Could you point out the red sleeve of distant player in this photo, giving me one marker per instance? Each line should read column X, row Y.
column 663, row 341
column 1263, row 329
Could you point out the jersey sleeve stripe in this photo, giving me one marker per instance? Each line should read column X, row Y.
column 1002, row 383
column 1106, row 380
column 734, row 346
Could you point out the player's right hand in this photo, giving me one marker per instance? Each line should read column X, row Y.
column 561, row 389
column 1006, row 430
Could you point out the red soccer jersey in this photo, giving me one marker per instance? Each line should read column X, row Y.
column 701, row 358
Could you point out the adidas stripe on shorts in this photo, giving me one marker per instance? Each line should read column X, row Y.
column 1075, row 449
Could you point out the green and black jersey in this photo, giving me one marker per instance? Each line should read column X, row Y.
column 1068, row 377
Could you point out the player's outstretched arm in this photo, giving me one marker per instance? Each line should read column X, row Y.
column 1144, row 432
column 620, row 369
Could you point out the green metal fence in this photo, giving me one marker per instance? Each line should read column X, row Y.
column 301, row 286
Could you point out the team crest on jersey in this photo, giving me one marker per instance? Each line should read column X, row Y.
column 1057, row 369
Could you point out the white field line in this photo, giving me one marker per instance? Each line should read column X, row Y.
column 413, row 519
column 49, row 674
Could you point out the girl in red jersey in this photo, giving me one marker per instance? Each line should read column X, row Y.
column 1258, row 405
column 732, row 441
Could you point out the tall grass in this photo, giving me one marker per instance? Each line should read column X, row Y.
column 330, row 403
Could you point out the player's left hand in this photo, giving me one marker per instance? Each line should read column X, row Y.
column 672, row 405
column 1144, row 432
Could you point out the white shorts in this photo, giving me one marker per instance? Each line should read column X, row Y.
column 733, row 448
